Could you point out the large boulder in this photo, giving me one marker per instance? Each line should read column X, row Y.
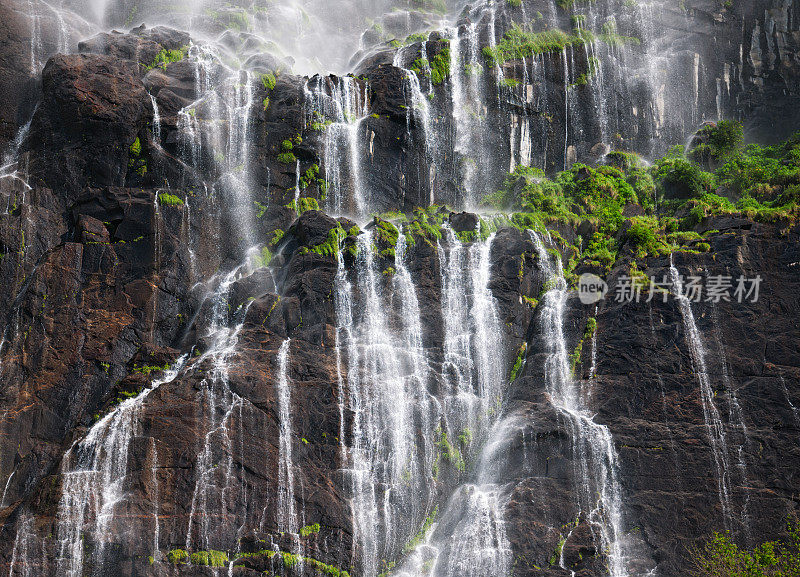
column 92, row 109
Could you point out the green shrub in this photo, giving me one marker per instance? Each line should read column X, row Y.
column 681, row 178
column 642, row 236
column 287, row 158
column 269, row 81
column 721, row 557
column 167, row 56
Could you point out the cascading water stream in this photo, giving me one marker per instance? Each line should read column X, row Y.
column 382, row 452
column 469, row 538
column 467, row 96
column 795, row 410
column 218, row 406
column 93, row 476
column 735, row 418
column 714, row 425
column 337, row 107
column 600, row 496
column 156, row 120
column 287, row 515
column 418, row 111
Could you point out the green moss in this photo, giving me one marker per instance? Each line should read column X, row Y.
column 167, row 56
column 287, row 158
column 169, row 199
column 268, row 81
column 290, row 560
column 147, row 369
column 263, row 258
column 386, row 232
column 517, row 44
column 330, row 246
column 135, row 149
column 210, row 558
column 277, row 236
column 440, row 66
column 518, row 362
column 261, row 209
column 309, row 530
column 175, row 556
column 450, row 453
column 423, row 531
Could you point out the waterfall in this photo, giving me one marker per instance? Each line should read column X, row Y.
column 217, row 405
column 713, row 421
column 795, row 411
column 595, row 457
column 37, row 50
column 418, row 111
column 297, row 187
column 467, row 100
column 472, row 541
column 155, row 497
column 473, row 342
column 287, row 516
column 20, row 565
column 225, row 94
column 156, row 120
column 93, row 474
column 337, row 107
column 735, row 418
column 382, row 400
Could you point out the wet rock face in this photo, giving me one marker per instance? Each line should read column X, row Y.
column 30, row 32
column 645, row 388
column 94, row 106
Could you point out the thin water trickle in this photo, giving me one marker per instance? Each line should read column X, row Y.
column 156, row 120
column 287, row 514
column 713, row 421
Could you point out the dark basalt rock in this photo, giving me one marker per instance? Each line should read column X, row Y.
column 140, row 45
column 93, row 108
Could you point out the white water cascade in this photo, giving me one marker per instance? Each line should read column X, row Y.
column 219, row 407
column 599, row 493
column 418, row 111
column 469, row 109
column 387, row 393
column 93, row 479
column 403, row 436
column 337, row 107
column 156, row 120
column 287, row 515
